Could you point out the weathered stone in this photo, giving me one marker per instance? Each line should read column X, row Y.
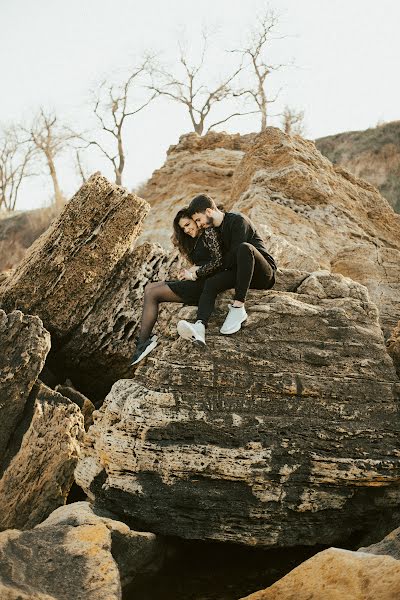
column 65, row 269
column 75, row 553
column 24, row 344
column 310, row 211
column 87, row 407
column 393, row 346
column 40, row 474
column 390, row 545
column 336, row 574
column 283, row 434
column 197, row 164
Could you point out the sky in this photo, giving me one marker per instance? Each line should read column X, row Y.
column 343, row 58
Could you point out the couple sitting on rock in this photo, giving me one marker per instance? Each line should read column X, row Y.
column 226, row 252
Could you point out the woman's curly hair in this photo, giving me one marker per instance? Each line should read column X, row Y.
column 180, row 239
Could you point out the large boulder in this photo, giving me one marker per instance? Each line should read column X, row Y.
column 75, row 553
column 44, row 453
column 24, row 344
column 283, row 434
column 309, row 210
column 336, row 574
column 197, row 164
column 65, row 269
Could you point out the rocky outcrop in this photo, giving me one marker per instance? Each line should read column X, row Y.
column 87, row 407
column 66, row 268
column 40, row 470
column 312, row 213
column 24, row 344
column 373, row 155
column 19, row 230
column 74, row 554
column 335, row 574
column 283, row 434
column 197, row 164
column 393, row 347
column 389, row 546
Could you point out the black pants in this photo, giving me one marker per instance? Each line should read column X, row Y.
column 252, row 271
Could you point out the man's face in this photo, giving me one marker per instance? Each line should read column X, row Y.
column 203, row 220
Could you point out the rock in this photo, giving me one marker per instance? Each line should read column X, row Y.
column 283, row 434
column 336, row 574
column 74, row 554
column 65, row 269
column 390, row 545
column 40, row 474
column 393, row 347
column 86, row 406
column 373, row 155
column 19, row 230
column 197, row 164
column 24, row 344
column 314, row 215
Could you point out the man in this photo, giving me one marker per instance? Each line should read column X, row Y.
column 246, row 264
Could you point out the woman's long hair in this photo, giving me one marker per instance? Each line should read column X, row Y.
column 180, row 239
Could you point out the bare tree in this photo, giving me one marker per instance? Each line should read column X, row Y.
column 293, row 121
column 15, row 163
column 189, row 88
column 80, row 166
column 113, row 104
column 50, row 139
column 254, row 57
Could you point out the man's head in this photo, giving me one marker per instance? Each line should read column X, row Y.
column 203, row 210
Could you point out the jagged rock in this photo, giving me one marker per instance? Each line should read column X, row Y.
column 65, row 269
column 393, row 346
column 390, row 545
column 19, row 230
column 308, row 210
column 282, row 434
column 99, row 350
column 336, row 574
column 197, row 164
column 75, row 553
column 373, row 154
column 24, row 344
column 87, row 407
column 45, row 451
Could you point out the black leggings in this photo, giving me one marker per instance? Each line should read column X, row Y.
column 252, row 271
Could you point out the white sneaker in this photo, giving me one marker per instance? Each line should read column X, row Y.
column 234, row 319
column 195, row 332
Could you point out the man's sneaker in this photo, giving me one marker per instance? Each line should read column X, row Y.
column 195, row 332
column 234, row 319
column 143, row 349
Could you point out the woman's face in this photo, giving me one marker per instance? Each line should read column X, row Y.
column 188, row 226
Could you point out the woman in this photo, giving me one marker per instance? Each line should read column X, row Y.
column 202, row 248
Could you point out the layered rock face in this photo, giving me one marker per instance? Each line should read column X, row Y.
column 197, row 164
column 75, row 553
column 373, row 155
column 64, row 271
column 313, row 214
column 393, row 345
column 283, row 434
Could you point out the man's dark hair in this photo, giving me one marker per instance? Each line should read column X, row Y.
column 200, row 203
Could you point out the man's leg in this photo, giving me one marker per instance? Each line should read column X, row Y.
column 253, row 271
column 213, row 286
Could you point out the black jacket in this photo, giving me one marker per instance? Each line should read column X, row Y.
column 236, row 229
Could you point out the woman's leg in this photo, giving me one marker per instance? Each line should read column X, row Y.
column 154, row 294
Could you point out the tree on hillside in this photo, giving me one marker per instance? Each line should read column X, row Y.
column 49, row 139
column 293, row 121
column 15, row 166
column 254, row 56
column 112, row 105
column 189, row 88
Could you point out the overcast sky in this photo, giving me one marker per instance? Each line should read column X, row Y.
column 346, row 54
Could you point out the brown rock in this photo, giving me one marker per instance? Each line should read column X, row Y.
column 197, row 164
column 283, row 434
column 24, row 344
column 66, row 268
column 40, row 474
column 336, row 574
column 390, row 545
column 393, row 346
column 75, row 553
column 87, row 407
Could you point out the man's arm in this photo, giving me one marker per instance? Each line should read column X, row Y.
column 239, row 233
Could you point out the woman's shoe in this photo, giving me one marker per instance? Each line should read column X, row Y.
column 143, row 349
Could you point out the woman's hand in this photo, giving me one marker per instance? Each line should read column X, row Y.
column 188, row 274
